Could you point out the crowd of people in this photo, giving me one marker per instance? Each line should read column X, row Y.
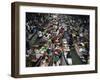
column 50, row 38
